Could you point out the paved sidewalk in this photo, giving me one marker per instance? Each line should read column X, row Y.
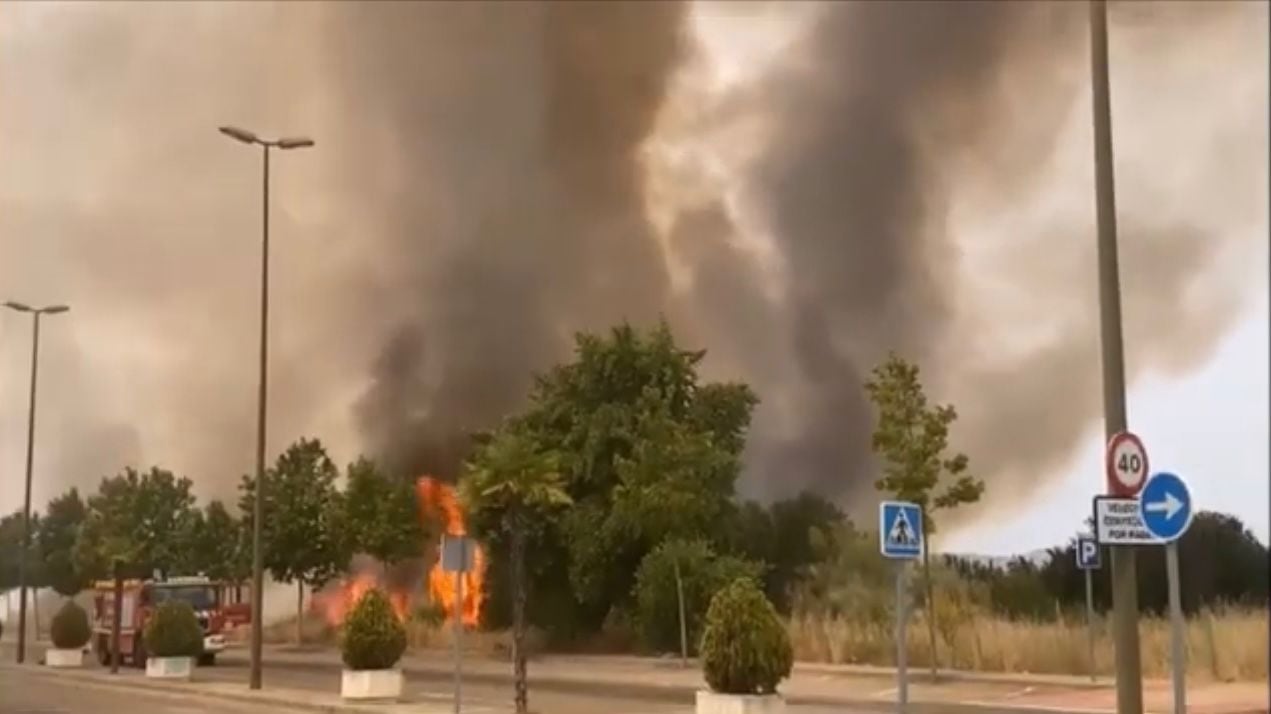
column 665, row 679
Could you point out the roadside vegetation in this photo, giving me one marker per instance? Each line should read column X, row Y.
column 613, row 493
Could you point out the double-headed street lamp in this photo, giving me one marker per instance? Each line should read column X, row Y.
column 30, row 457
column 248, row 137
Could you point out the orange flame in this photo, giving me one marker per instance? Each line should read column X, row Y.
column 437, row 499
column 334, row 605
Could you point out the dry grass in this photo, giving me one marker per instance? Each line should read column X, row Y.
column 1226, row 645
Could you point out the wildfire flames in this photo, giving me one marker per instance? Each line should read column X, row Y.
column 437, row 503
column 437, row 499
column 334, row 606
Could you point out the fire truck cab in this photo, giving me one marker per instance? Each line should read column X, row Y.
column 140, row 599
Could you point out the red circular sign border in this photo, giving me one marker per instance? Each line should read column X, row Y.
column 1115, row 487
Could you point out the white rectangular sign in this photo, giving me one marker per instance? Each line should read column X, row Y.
column 1119, row 521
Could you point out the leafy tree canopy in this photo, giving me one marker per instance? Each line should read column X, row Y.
column 380, row 516
column 301, row 509
column 647, row 452
column 138, row 519
column 912, row 437
column 56, row 538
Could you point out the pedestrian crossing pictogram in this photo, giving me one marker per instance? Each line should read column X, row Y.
column 900, row 529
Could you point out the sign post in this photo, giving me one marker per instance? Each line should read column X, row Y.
column 1088, row 561
column 900, row 539
column 456, row 557
column 1166, row 503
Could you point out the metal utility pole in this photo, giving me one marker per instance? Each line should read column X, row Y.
column 258, row 599
column 1125, row 597
column 30, row 461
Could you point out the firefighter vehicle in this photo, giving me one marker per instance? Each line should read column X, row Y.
column 142, row 597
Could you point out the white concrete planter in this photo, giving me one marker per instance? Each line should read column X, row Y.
column 716, row 703
column 361, row 685
column 60, row 658
column 169, row 667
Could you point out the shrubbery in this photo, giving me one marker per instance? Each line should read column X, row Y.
column 373, row 637
column 745, row 647
column 702, row 574
column 173, row 631
column 70, row 629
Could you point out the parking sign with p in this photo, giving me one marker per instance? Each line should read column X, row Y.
column 1088, row 554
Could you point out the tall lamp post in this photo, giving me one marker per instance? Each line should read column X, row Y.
column 30, row 458
column 248, row 137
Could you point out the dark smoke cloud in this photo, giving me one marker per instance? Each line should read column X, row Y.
column 883, row 116
column 524, row 122
column 480, row 191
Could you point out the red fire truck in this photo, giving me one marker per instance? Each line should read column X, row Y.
column 141, row 597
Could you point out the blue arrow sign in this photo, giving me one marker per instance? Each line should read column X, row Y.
column 1088, row 554
column 1166, row 505
column 900, row 530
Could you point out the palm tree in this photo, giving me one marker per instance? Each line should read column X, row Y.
column 509, row 487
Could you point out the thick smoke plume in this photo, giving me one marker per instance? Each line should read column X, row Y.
column 480, row 190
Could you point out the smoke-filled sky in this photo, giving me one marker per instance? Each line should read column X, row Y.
column 798, row 188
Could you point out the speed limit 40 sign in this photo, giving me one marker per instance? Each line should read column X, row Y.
column 1126, row 465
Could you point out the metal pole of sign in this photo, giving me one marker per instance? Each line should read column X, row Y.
column 902, row 676
column 1090, row 622
column 1178, row 653
column 459, row 626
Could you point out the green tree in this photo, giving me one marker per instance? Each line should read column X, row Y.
column 138, row 519
column 11, row 550
column 511, row 488
column 212, row 545
column 647, row 452
column 702, row 573
column 55, row 540
column 302, row 508
column 911, row 436
column 381, row 515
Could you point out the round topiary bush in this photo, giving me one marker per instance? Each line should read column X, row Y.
column 70, row 629
column 373, row 636
column 745, row 648
column 173, row 631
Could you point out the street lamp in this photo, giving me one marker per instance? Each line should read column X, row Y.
column 248, row 137
column 30, row 455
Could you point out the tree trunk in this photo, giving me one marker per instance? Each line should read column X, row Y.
column 35, row 607
column 931, row 604
column 116, row 619
column 300, row 610
column 518, row 620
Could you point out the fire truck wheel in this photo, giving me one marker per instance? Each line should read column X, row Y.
column 103, row 652
column 207, row 660
column 138, row 653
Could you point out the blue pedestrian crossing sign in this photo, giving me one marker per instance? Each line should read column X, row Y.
column 1166, row 504
column 1088, row 554
column 900, row 530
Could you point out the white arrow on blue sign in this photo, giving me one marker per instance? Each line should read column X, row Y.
column 1088, row 554
column 900, row 530
column 1166, row 505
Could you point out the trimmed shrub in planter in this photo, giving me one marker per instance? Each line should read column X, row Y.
column 70, row 631
column 745, row 652
column 172, row 640
column 372, row 643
